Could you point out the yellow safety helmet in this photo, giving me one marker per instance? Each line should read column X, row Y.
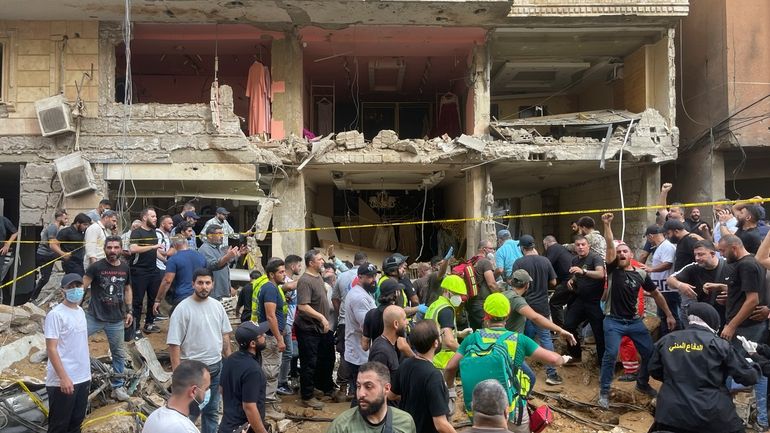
column 454, row 284
column 497, row 305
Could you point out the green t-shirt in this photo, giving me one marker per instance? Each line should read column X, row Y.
column 351, row 421
column 525, row 346
column 515, row 321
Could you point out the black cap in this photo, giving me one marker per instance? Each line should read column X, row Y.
column 526, row 241
column 367, row 269
column 654, row 230
column 69, row 279
column 673, row 225
column 249, row 331
column 389, row 286
column 191, row 214
column 223, row 211
column 706, row 312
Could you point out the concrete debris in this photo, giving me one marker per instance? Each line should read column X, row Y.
column 404, row 146
column 19, row 349
column 35, row 312
column 283, row 425
column 38, row 357
column 351, row 140
column 385, row 139
column 144, row 347
column 112, row 418
column 15, row 315
column 29, row 328
column 472, row 143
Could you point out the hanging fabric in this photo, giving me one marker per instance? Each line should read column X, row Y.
column 259, row 92
column 325, row 110
column 448, row 116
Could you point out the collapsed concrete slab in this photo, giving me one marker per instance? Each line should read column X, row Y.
column 20, row 349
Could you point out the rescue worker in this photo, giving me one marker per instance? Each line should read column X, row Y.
column 693, row 365
column 394, row 266
column 442, row 311
column 497, row 308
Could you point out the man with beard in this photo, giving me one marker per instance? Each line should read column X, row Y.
column 271, row 307
column 694, row 278
column 695, row 224
column 95, row 237
column 44, row 253
column 69, row 245
column 748, row 215
column 358, row 302
column 587, row 231
column 684, row 241
column 621, row 318
column 109, row 309
column 384, row 349
column 394, row 267
column 220, row 219
column 189, row 384
column 218, row 260
column 199, row 329
column 179, row 273
column 660, row 269
column 243, row 382
column 372, row 414
column 144, row 246
column 745, row 291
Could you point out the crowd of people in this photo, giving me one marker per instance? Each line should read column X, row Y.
column 392, row 345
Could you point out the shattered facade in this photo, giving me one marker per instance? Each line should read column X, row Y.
column 583, row 70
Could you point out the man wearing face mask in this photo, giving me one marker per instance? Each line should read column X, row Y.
column 190, row 384
column 199, row 329
column 243, row 382
column 68, row 375
column 357, row 303
column 442, row 311
column 372, row 415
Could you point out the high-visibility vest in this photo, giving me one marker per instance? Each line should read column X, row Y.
column 256, row 285
column 404, row 300
column 442, row 358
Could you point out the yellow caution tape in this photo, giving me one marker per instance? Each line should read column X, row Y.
column 31, row 272
column 141, row 416
column 34, row 397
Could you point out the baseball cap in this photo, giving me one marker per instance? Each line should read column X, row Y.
column 526, row 241
column 69, row 279
column 497, row 305
column 367, row 269
column 389, row 286
column 191, row 214
column 673, row 225
column 108, row 213
column 521, row 276
column 249, row 331
column 503, row 233
column 223, row 211
column 653, row 230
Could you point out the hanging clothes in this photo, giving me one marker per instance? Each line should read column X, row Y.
column 385, row 238
column 407, row 241
column 259, row 92
column 325, row 111
column 448, row 116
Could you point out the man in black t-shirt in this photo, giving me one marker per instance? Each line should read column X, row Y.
column 384, row 349
column 8, row 234
column 690, row 280
column 587, row 284
column 109, row 308
column 621, row 318
column 684, row 241
column 69, row 244
column 748, row 216
column 243, row 382
column 144, row 247
column 561, row 260
column 422, row 388
column 373, row 325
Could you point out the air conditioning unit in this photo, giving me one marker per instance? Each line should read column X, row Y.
column 75, row 174
column 54, row 115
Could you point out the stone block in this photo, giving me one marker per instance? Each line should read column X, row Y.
column 34, row 46
column 34, row 200
column 176, row 111
column 351, row 140
column 16, row 315
column 385, row 138
column 403, row 146
column 19, row 349
column 31, row 216
column 33, row 79
column 35, row 312
column 191, row 127
column 33, row 62
column 35, row 170
column 32, row 94
column 83, row 46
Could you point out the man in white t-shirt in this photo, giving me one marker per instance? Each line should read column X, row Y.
column 660, row 270
column 189, row 383
column 68, row 375
column 199, row 330
column 358, row 302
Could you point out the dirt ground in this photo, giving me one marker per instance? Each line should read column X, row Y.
column 580, row 384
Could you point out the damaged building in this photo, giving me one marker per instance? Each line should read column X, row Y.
column 299, row 114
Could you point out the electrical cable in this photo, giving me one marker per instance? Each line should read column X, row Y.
column 422, row 227
column 620, row 181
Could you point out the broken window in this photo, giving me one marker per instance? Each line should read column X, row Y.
column 177, row 64
column 409, row 80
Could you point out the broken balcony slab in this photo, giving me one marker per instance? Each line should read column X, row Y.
column 596, row 117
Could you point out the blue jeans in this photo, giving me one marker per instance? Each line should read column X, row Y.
column 674, row 301
column 758, row 334
column 614, row 329
column 114, row 332
column 283, row 375
column 544, row 336
column 210, row 413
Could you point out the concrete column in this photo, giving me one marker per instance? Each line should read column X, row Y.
column 475, row 207
column 700, row 176
column 290, row 215
column 481, row 89
column 287, row 73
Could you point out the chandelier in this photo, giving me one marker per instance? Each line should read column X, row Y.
column 382, row 200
